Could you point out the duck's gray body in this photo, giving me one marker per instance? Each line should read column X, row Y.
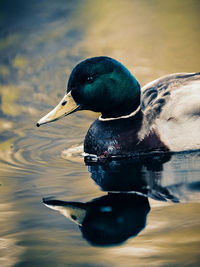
column 171, row 106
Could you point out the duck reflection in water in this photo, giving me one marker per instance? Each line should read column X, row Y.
column 122, row 213
column 142, row 174
column 107, row 220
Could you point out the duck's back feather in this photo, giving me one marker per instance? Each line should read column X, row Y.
column 171, row 106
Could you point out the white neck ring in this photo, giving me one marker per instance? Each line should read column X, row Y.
column 121, row 117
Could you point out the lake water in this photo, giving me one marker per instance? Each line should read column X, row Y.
column 41, row 41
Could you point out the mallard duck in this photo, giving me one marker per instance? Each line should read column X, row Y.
column 162, row 116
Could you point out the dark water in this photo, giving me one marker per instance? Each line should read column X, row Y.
column 40, row 43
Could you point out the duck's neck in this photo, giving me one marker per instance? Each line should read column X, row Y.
column 125, row 116
column 125, row 109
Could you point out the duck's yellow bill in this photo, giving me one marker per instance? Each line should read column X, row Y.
column 72, row 210
column 66, row 106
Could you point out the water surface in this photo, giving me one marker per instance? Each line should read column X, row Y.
column 41, row 41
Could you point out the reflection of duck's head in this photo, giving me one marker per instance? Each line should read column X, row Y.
column 108, row 220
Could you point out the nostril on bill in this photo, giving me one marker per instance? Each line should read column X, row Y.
column 64, row 103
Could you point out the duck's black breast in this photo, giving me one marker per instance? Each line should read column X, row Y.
column 120, row 137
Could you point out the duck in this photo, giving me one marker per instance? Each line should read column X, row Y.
column 162, row 116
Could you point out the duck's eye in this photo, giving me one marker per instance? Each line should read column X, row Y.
column 90, row 79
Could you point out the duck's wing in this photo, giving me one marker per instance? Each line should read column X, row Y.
column 171, row 106
column 171, row 88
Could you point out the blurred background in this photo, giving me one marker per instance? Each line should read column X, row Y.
column 40, row 43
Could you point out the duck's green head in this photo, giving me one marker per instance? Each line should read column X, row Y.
column 100, row 84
